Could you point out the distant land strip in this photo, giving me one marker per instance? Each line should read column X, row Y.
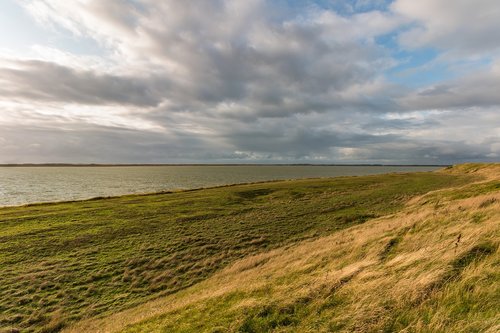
column 206, row 164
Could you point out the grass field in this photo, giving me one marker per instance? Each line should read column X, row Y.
column 305, row 255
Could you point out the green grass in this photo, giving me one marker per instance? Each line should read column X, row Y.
column 427, row 268
column 63, row 262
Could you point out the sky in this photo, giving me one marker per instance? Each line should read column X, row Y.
column 249, row 81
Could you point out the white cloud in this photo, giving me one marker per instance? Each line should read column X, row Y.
column 460, row 26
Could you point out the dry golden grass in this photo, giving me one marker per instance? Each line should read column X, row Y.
column 64, row 262
column 432, row 267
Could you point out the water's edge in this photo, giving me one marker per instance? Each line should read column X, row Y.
column 21, row 186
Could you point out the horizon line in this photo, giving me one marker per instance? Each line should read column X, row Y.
column 208, row 164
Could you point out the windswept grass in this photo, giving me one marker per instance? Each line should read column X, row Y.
column 60, row 263
column 427, row 268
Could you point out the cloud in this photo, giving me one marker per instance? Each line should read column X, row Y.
column 478, row 89
column 90, row 143
column 459, row 26
column 254, row 80
column 45, row 81
column 236, row 59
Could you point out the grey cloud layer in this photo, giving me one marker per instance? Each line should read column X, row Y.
column 474, row 90
column 45, row 81
column 251, row 80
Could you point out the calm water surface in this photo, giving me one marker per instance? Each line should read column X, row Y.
column 21, row 185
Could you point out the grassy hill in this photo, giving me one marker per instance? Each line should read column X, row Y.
column 376, row 253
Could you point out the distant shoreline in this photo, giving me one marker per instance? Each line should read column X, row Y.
column 211, row 164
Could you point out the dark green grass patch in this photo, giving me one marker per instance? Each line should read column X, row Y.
column 67, row 261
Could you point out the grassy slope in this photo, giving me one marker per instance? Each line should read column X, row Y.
column 431, row 267
column 64, row 262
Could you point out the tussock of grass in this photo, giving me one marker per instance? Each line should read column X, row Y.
column 280, row 255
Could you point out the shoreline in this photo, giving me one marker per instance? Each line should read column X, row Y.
column 182, row 190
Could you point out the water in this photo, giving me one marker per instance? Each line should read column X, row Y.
column 22, row 185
